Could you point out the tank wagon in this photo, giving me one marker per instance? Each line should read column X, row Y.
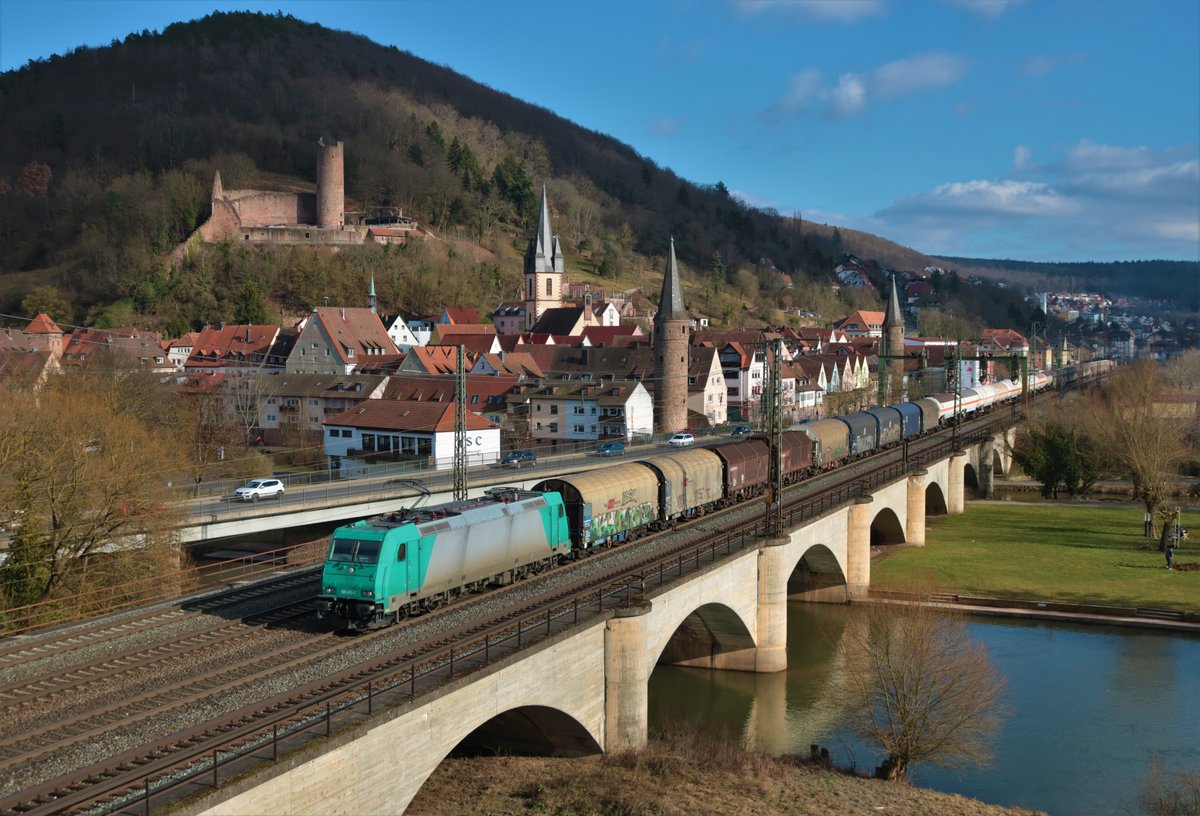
column 383, row 569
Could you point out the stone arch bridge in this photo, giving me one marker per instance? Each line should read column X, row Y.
column 585, row 689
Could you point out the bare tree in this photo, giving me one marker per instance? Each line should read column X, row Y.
column 1184, row 371
column 1141, row 437
column 917, row 686
column 1170, row 792
column 84, row 479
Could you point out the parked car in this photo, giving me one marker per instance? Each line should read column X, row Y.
column 681, row 439
column 518, row 458
column 611, row 449
column 260, row 489
column 740, row 430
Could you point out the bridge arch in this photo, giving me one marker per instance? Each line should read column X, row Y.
column 817, row 577
column 886, row 528
column 710, row 636
column 970, row 477
column 935, row 500
column 533, row 730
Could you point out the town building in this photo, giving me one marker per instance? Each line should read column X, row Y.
column 336, row 339
column 405, row 431
column 582, row 411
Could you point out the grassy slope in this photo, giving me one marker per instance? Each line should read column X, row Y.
column 668, row 781
column 1068, row 553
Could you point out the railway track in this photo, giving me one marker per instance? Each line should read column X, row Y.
column 104, row 786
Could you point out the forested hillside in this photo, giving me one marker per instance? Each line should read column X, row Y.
column 107, row 157
column 1175, row 281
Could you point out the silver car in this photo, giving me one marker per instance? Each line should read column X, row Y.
column 260, row 489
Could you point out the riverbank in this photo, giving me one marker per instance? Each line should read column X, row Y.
column 676, row 777
column 1063, row 553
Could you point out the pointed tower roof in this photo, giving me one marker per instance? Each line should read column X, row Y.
column 371, row 294
column 42, row 324
column 893, row 316
column 218, row 189
column 545, row 238
column 545, row 253
column 670, row 304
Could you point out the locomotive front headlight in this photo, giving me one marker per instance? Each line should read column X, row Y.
column 329, row 590
column 368, row 593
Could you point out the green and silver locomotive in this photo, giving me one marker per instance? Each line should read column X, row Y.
column 383, row 569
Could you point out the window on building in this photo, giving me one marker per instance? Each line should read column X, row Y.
column 549, row 287
column 554, row 408
column 553, row 427
column 577, row 429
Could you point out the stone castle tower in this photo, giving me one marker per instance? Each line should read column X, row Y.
column 893, row 346
column 331, row 186
column 543, row 269
column 671, row 353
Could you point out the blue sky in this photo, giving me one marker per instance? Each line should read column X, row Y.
column 1031, row 129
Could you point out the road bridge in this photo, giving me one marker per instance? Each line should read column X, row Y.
column 582, row 687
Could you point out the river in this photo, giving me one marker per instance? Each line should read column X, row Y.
column 1089, row 706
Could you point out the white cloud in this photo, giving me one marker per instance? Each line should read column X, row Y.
column 848, row 98
column 854, row 91
column 988, row 8
column 667, row 126
column 803, row 90
column 1047, row 63
column 1096, row 201
column 1087, row 155
column 917, row 73
column 992, row 198
column 842, row 11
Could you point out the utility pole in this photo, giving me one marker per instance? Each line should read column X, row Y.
column 773, row 402
column 460, row 426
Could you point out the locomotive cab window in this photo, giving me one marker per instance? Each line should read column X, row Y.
column 400, row 550
column 360, row 551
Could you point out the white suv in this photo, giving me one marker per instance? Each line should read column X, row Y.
column 681, row 439
column 260, row 489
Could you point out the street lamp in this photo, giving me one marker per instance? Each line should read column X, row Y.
column 1033, row 343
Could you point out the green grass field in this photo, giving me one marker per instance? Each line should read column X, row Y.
column 1045, row 552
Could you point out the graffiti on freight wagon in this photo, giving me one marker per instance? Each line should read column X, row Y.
column 615, row 522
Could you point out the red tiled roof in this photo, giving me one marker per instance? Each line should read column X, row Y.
column 406, row 415
column 460, row 314
column 42, row 324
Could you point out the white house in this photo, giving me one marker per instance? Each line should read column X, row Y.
column 405, row 430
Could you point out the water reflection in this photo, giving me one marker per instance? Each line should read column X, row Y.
column 1090, row 707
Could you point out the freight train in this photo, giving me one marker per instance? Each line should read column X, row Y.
column 381, row 570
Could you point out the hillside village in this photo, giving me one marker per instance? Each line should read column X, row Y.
column 565, row 368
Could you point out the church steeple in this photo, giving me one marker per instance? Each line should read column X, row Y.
column 893, row 316
column 670, row 302
column 371, row 295
column 671, row 352
column 893, row 348
column 544, row 266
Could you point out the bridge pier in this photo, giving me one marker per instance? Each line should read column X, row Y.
column 626, row 679
column 858, row 548
column 954, row 496
column 914, row 527
column 773, row 571
column 987, row 453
